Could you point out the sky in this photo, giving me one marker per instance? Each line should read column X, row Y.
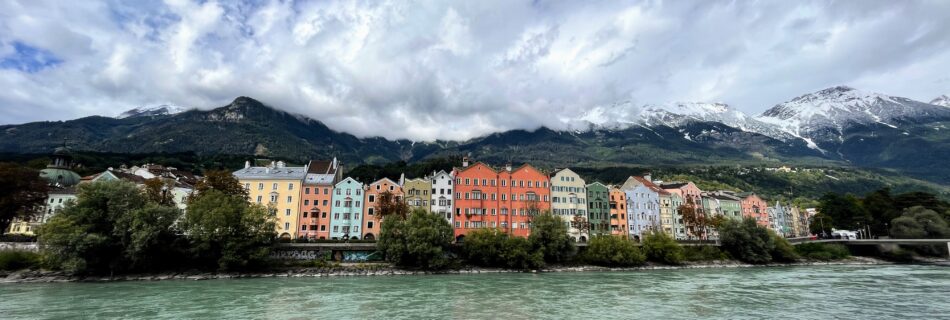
column 427, row 70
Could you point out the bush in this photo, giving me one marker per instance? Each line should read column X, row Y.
column 611, row 251
column 227, row 233
column 660, row 247
column 746, row 241
column 421, row 241
column 898, row 255
column 822, row 251
column 491, row 248
column 18, row 259
column 549, row 236
column 783, row 251
column 704, row 253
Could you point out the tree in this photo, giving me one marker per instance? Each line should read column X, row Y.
column 783, row 251
column 612, row 251
column 660, row 247
column 921, row 223
column 549, row 236
column 22, row 192
column 388, row 204
column 881, row 209
column 747, row 241
column 844, row 211
column 227, row 233
column 222, row 181
column 492, row 248
column 112, row 227
column 581, row 224
column 421, row 241
column 159, row 190
column 694, row 217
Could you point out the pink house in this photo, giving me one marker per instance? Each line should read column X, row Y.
column 754, row 207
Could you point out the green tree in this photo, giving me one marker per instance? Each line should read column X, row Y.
column 22, row 192
column 747, row 241
column 227, row 233
column 112, row 227
column 661, row 247
column 493, row 248
column 422, row 240
column 549, row 236
column 222, row 181
column 844, row 211
column 783, row 251
column 159, row 190
column 612, row 251
column 922, row 223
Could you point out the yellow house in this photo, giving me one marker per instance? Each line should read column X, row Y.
column 276, row 186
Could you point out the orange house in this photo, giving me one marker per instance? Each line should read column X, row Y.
column 315, row 196
column 506, row 199
column 371, row 221
column 618, row 212
column 754, row 207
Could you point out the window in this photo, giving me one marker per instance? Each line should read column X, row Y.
column 273, row 198
column 306, row 202
column 290, row 199
column 306, row 190
column 290, row 186
column 392, row 188
column 303, row 227
column 324, row 202
column 323, row 215
column 304, row 214
column 369, row 225
column 286, row 225
column 287, row 212
column 247, row 186
column 274, row 187
column 369, row 211
column 325, row 191
column 259, row 199
column 337, row 191
column 260, row 186
column 359, row 191
column 336, row 228
column 372, row 198
column 323, row 227
column 503, row 182
column 357, row 204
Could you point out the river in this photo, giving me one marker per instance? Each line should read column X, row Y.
column 807, row 292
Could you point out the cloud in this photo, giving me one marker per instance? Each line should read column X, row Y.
column 428, row 70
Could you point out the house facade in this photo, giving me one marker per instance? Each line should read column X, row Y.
column 346, row 211
column 372, row 218
column 316, row 198
column 754, row 207
column 569, row 202
column 643, row 206
column 690, row 196
column 440, row 200
column 277, row 187
column 417, row 193
column 598, row 209
column 618, row 212
column 506, row 199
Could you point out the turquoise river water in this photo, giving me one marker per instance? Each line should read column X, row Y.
column 830, row 292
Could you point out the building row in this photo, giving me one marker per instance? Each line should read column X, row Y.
column 316, row 201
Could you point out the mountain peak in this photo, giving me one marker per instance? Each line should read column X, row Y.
column 151, row 111
column 943, row 101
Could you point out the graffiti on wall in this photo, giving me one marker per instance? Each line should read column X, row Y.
column 299, row 254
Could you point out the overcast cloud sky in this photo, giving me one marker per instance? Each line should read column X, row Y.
column 458, row 69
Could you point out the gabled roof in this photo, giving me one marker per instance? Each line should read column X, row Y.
column 476, row 164
column 648, row 184
column 597, row 183
column 528, row 166
column 383, row 180
column 673, row 185
column 349, row 179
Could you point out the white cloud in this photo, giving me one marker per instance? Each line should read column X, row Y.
column 454, row 70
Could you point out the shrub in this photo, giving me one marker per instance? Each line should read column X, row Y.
column 420, row 241
column 898, row 255
column 611, row 251
column 822, row 251
column 746, row 241
column 549, row 236
column 704, row 253
column 227, row 233
column 660, row 247
column 491, row 248
column 783, row 251
column 18, row 259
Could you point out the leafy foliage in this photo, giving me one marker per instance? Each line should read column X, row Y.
column 922, row 223
column 112, row 227
column 21, row 192
column 703, row 253
column 747, row 241
column 492, row 248
column 612, row 251
column 876, row 210
column 222, row 181
column 227, row 233
column 18, row 259
column 388, row 205
column 422, row 240
column 661, row 247
column 822, row 251
column 783, row 251
column 549, row 236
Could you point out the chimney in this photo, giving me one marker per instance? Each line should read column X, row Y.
column 508, row 167
column 333, row 164
column 647, row 177
column 247, row 164
column 464, row 161
column 402, row 179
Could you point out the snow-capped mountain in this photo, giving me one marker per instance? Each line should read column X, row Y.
column 159, row 110
column 840, row 107
column 943, row 100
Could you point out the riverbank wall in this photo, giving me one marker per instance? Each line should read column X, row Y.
column 384, row 269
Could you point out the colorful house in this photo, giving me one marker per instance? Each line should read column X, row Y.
column 598, row 208
column 316, row 196
column 569, row 202
column 506, row 199
column 441, row 195
column 347, row 209
column 691, row 196
column 417, row 193
column 667, row 212
column 372, row 219
column 618, row 212
column 643, row 206
column 754, row 207
column 276, row 186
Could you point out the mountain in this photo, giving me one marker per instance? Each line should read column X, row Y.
column 160, row 110
column 943, row 100
column 838, row 126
